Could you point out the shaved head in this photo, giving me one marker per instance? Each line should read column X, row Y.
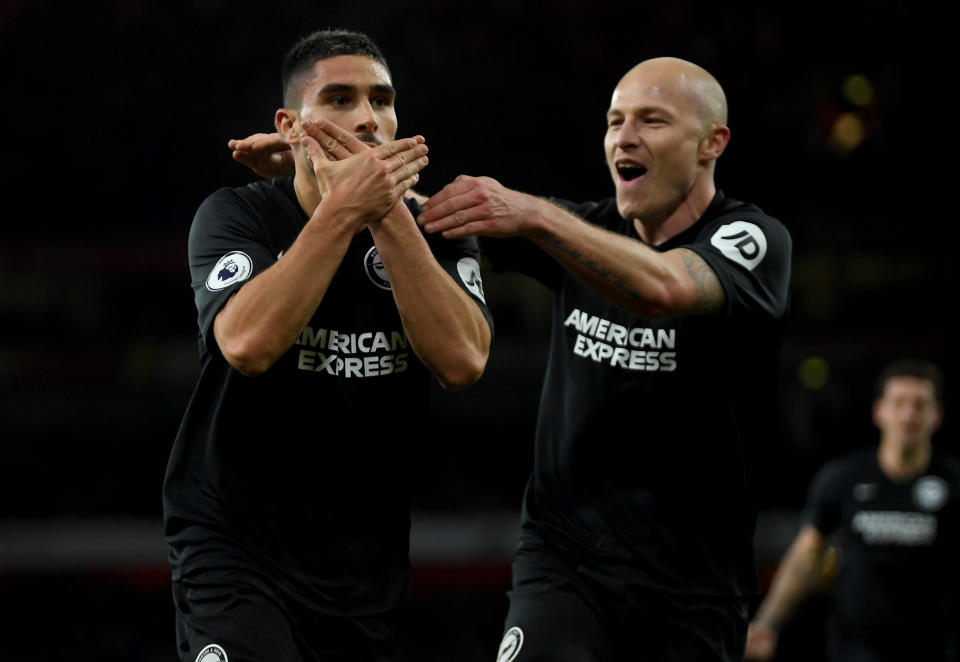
column 666, row 128
column 683, row 83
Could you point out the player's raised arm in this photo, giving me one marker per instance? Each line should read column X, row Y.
column 267, row 154
column 263, row 319
column 622, row 269
column 445, row 325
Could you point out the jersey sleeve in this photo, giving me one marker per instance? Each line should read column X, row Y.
column 460, row 258
column 824, row 499
column 225, row 250
column 751, row 255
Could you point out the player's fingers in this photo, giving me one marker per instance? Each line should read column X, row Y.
column 407, row 184
column 270, row 142
column 467, row 230
column 410, row 169
column 240, row 143
column 454, row 199
column 251, row 143
column 455, row 188
column 386, row 150
column 314, row 150
column 246, row 158
column 401, row 159
column 334, row 149
column 456, row 219
column 334, row 139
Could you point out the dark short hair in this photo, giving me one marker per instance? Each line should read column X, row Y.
column 321, row 45
column 912, row 367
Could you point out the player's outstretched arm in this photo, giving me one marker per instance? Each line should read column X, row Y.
column 265, row 316
column 798, row 574
column 621, row 269
column 267, row 154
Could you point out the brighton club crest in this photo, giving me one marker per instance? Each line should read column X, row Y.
column 376, row 272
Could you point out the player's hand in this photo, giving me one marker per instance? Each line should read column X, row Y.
column 267, row 154
column 340, row 144
column 761, row 643
column 478, row 205
column 337, row 143
column 371, row 181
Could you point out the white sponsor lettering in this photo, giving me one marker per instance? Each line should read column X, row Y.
column 368, row 342
column 603, row 341
column 352, row 366
column 339, row 345
column 890, row 527
column 602, row 329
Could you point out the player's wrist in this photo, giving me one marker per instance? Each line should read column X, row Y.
column 333, row 213
column 538, row 221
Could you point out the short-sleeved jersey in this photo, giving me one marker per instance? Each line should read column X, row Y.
column 300, row 473
column 899, row 546
column 645, row 424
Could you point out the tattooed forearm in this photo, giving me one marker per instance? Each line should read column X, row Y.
column 709, row 291
column 594, row 267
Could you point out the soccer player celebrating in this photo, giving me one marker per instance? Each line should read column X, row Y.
column 323, row 313
column 668, row 302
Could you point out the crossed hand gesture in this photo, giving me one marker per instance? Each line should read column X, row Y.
column 370, row 180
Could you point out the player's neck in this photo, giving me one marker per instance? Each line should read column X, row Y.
column 308, row 194
column 904, row 461
column 656, row 231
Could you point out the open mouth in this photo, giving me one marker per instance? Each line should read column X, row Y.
column 628, row 170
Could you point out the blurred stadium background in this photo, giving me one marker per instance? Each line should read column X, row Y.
column 117, row 115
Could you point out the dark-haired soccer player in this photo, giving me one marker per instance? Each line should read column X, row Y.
column 893, row 512
column 323, row 312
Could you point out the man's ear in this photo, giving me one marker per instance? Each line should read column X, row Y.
column 713, row 144
column 288, row 125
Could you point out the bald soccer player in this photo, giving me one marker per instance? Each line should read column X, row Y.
column 667, row 311
column 667, row 315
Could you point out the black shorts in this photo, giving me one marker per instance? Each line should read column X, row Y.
column 237, row 616
column 562, row 612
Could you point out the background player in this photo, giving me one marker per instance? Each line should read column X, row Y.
column 323, row 311
column 894, row 514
